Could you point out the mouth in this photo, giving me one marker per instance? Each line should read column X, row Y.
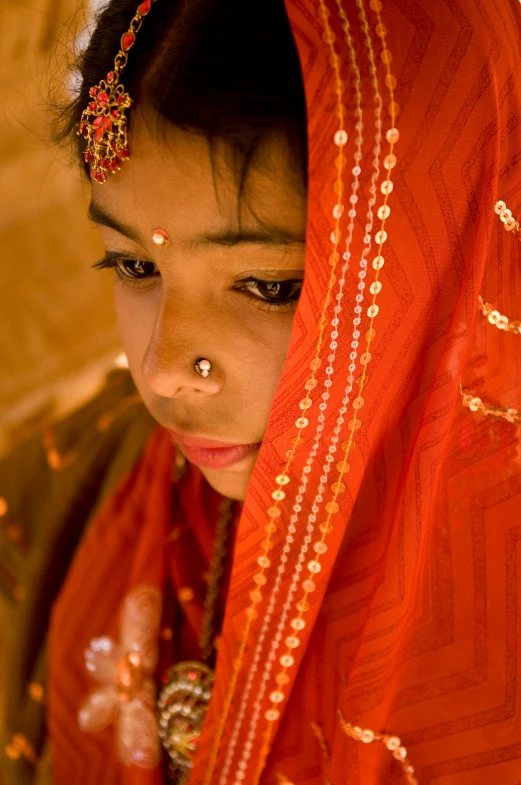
column 210, row 454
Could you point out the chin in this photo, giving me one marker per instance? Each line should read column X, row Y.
column 232, row 484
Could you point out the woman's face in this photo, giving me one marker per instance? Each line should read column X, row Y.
column 221, row 291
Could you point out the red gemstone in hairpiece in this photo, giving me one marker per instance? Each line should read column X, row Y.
column 98, row 134
column 92, row 106
column 127, row 40
column 103, row 99
column 93, row 91
column 144, row 7
column 110, row 76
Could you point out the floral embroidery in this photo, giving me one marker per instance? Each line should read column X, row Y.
column 126, row 697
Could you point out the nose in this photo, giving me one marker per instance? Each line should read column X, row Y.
column 181, row 340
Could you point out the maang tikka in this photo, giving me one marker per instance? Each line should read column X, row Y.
column 104, row 121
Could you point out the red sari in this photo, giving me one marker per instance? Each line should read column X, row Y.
column 412, row 625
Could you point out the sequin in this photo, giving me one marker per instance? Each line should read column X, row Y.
column 320, row 547
column 276, row 696
column 287, row 661
column 292, row 642
column 36, row 691
column 340, row 138
column 185, row 594
column 272, row 715
column 392, row 134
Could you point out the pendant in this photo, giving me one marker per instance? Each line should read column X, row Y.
column 181, row 708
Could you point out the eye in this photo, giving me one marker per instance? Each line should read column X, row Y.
column 272, row 293
column 128, row 268
column 133, row 268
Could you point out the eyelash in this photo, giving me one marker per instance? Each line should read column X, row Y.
column 245, row 285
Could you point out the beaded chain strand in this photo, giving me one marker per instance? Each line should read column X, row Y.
column 507, row 219
column 476, row 404
column 282, row 480
column 326, row 468
column 390, row 742
column 497, row 319
column 338, row 209
column 287, row 660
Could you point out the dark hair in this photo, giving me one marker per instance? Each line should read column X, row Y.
column 226, row 69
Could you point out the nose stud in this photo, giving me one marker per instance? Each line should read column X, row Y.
column 203, row 367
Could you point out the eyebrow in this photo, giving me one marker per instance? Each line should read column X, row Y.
column 268, row 234
column 99, row 216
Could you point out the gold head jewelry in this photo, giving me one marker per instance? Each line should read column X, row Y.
column 104, row 121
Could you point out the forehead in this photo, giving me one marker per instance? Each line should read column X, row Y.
column 176, row 179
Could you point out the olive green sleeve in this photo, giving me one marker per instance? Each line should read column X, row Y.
column 50, row 488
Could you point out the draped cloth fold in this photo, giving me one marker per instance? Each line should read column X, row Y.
column 413, row 625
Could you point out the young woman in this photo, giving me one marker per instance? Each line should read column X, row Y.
column 309, row 572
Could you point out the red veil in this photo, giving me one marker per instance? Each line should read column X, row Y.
column 410, row 624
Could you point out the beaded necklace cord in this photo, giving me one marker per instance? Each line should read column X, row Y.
column 184, row 699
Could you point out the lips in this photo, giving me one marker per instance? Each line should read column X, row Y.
column 210, row 454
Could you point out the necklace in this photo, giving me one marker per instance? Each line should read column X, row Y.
column 183, row 701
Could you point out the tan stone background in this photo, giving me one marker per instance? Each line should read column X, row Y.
column 57, row 331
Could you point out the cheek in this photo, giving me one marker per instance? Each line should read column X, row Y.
column 136, row 315
column 249, row 346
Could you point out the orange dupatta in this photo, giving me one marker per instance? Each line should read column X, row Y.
column 412, row 621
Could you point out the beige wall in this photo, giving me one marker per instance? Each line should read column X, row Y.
column 57, row 332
